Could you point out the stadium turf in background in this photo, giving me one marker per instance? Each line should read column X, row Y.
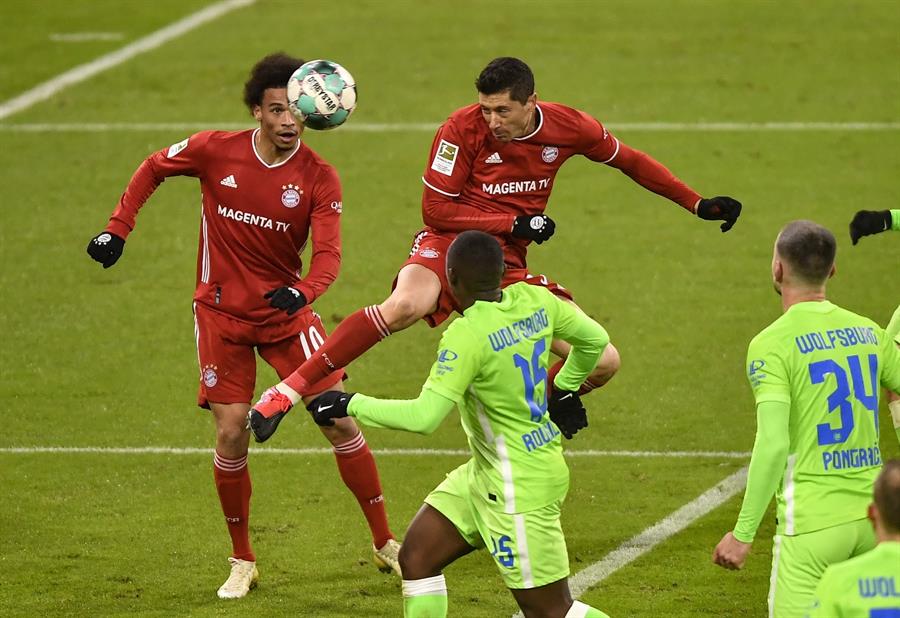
column 105, row 358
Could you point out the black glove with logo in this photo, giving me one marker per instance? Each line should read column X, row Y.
column 329, row 406
column 567, row 411
column 720, row 209
column 290, row 299
column 868, row 222
column 533, row 227
column 106, row 248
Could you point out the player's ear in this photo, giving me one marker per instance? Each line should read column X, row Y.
column 833, row 271
column 257, row 112
column 871, row 514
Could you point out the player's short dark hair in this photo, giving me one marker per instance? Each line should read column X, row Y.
column 887, row 495
column 273, row 71
column 477, row 260
column 506, row 73
column 809, row 248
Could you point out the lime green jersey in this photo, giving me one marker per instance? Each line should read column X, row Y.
column 827, row 364
column 893, row 328
column 493, row 363
column 867, row 586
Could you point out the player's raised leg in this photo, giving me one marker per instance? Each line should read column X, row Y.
column 606, row 367
column 232, row 479
column 357, row 468
column 432, row 543
column 415, row 296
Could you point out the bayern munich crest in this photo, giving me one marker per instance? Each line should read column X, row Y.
column 210, row 377
column 549, row 154
column 291, row 195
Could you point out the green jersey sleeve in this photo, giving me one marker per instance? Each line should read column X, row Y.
column 421, row 415
column 893, row 327
column 457, row 364
column 767, row 372
column 770, row 451
column 895, row 219
column 890, row 355
column 587, row 338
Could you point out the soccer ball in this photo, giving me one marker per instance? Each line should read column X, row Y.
column 322, row 94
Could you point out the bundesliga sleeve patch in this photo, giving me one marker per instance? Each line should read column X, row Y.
column 174, row 149
column 445, row 158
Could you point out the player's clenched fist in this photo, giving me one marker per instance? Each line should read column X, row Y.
column 567, row 411
column 106, row 248
column 720, row 208
column 731, row 553
column 868, row 222
column 533, row 227
column 287, row 298
column 329, row 406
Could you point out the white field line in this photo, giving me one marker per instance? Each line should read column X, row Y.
column 153, row 40
column 81, row 37
column 167, row 450
column 669, row 526
column 413, row 127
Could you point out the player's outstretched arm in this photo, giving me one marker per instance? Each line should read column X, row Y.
column 444, row 213
column 180, row 159
column 767, row 463
column 421, row 415
column 869, row 222
column 654, row 176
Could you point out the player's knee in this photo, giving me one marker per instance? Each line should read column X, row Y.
column 607, row 366
column 401, row 311
column 232, row 438
column 415, row 563
column 343, row 430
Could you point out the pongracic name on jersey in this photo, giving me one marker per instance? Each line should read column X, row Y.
column 521, row 329
column 841, row 459
column 251, row 219
column 847, row 337
column 514, row 186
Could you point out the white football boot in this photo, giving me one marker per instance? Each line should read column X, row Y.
column 387, row 557
column 243, row 578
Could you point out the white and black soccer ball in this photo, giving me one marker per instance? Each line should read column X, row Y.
column 322, row 94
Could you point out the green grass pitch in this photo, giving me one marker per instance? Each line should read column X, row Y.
column 94, row 358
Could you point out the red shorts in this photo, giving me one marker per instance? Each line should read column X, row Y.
column 429, row 249
column 225, row 352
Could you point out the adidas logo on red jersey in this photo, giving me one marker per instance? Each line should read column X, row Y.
column 229, row 181
column 494, row 158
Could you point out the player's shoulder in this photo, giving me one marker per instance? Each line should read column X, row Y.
column 309, row 158
column 559, row 116
column 772, row 335
column 467, row 121
column 464, row 330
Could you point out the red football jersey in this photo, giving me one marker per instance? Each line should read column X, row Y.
column 255, row 221
column 484, row 183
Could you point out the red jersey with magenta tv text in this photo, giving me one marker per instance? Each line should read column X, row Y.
column 255, row 221
column 470, row 165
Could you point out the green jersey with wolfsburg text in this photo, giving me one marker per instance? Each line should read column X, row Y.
column 493, row 363
column 827, row 363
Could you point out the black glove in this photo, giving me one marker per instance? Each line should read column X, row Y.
column 329, row 406
column 567, row 411
column 106, row 248
column 720, row 209
column 533, row 227
column 290, row 299
column 868, row 222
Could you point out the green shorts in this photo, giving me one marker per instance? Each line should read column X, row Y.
column 529, row 548
column 799, row 561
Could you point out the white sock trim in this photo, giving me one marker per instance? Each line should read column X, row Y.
column 578, row 610
column 436, row 585
column 356, row 443
column 293, row 395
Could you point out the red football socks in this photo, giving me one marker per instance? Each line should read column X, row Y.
column 357, row 467
column 233, row 484
column 352, row 337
